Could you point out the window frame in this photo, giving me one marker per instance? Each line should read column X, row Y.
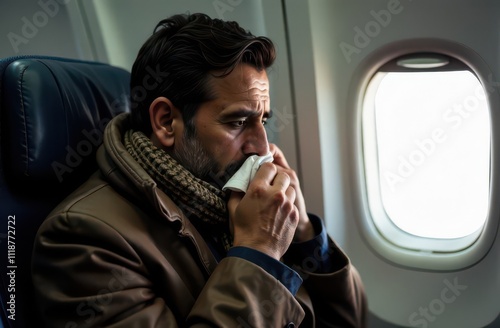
column 382, row 220
column 416, row 256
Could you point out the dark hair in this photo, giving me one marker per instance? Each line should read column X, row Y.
column 183, row 53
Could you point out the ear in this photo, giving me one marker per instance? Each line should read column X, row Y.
column 166, row 121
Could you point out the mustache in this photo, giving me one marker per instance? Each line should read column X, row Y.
column 225, row 174
column 232, row 168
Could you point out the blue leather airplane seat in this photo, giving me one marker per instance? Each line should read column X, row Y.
column 52, row 115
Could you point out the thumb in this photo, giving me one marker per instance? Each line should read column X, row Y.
column 233, row 202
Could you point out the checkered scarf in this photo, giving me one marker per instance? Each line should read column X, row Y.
column 194, row 196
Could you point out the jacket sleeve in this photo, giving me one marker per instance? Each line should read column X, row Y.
column 86, row 274
column 333, row 284
column 338, row 298
column 250, row 298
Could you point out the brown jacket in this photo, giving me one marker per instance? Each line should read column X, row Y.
column 119, row 253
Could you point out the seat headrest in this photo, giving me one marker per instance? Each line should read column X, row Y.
column 53, row 112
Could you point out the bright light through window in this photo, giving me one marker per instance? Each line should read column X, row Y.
column 432, row 132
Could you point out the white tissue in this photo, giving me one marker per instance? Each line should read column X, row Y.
column 241, row 179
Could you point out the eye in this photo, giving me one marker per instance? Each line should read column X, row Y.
column 240, row 123
column 264, row 121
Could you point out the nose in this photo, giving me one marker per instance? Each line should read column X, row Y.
column 256, row 141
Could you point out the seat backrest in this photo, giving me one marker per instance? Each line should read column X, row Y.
column 52, row 115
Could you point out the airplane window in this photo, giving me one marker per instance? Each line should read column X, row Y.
column 426, row 140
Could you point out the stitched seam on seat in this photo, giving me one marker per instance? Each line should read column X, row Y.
column 24, row 119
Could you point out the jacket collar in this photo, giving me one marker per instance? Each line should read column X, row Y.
column 125, row 174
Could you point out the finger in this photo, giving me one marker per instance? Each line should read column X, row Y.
column 278, row 156
column 234, row 200
column 281, row 180
column 291, row 194
column 266, row 172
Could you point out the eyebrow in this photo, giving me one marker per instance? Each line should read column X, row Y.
column 242, row 112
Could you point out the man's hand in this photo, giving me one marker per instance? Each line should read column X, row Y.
column 305, row 230
column 265, row 218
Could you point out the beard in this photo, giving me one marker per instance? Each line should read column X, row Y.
column 195, row 158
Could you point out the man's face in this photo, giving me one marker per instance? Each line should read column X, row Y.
column 229, row 128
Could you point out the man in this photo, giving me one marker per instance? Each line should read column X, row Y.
column 153, row 240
